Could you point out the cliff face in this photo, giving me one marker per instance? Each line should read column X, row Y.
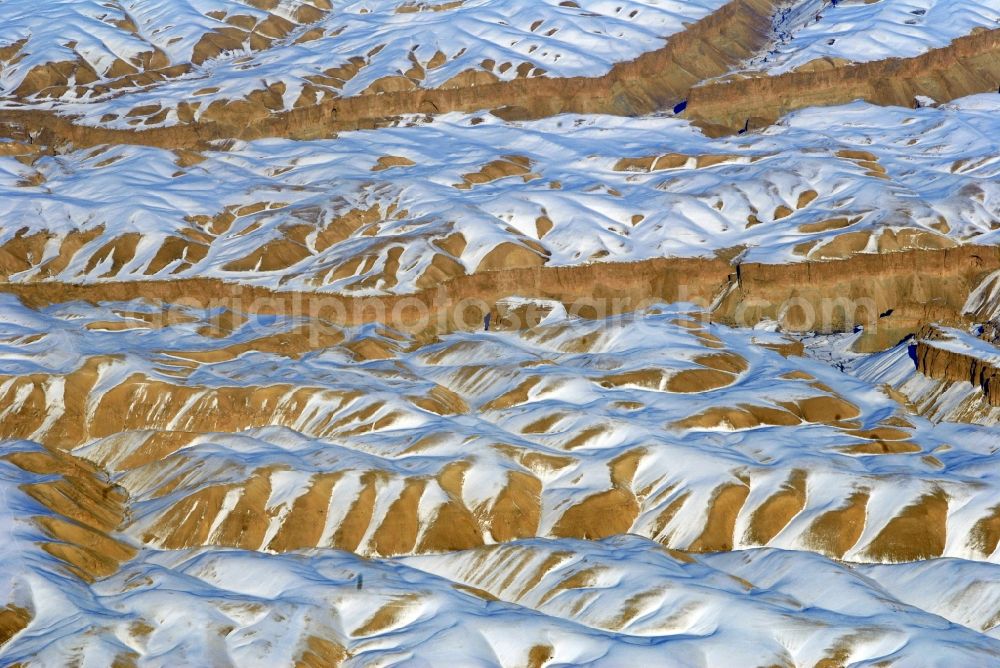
column 600, row 381
column 944, row 362
column 710, row 48
column 474, row 193
column 968, row 65
column 891, row 294
column 591, row 291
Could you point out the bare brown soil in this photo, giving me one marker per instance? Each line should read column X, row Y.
column 87, row 511
column 918, row 532
column 688, row 67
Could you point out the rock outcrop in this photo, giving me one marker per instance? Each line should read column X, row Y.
column 967, row 359
column 891, row 294
column 342, row 334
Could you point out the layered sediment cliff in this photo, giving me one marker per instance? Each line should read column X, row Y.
column 952, row 355
column 891, row 294
column 969, row 65
column 688, row 68
column 606, row 387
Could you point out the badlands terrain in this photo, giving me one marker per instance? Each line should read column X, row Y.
column 500, row 333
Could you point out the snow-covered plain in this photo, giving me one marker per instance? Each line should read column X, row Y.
column 371, row 211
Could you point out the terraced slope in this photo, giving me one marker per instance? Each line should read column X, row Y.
column 966, row 66
column 403, row 209
column 499, row 333
column 943, row 373
column 242, row 71
column 88, row 49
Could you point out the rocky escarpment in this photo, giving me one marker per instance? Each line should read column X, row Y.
column 708, row 48
column 968, row 65
column 472, row 390
column 891, row 294
column 400, row 209
column 593, row 290
column 954, row 356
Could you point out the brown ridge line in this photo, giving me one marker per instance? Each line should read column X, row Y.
column 656, row 279
column 708, row 48
column 969, row 65
column 918, row 286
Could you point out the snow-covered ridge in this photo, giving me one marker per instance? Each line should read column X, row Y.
column 936, row 398
column 566, row 39
column 609, row 603
column 399, row 209
column 527, row 602
column 952, row 386
column 302, row 52
column 963, row 343
column 294, row 446
column 136, row 65
column 234, row 433
column 821, row 33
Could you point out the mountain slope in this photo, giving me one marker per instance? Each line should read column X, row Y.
column 499, row 333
